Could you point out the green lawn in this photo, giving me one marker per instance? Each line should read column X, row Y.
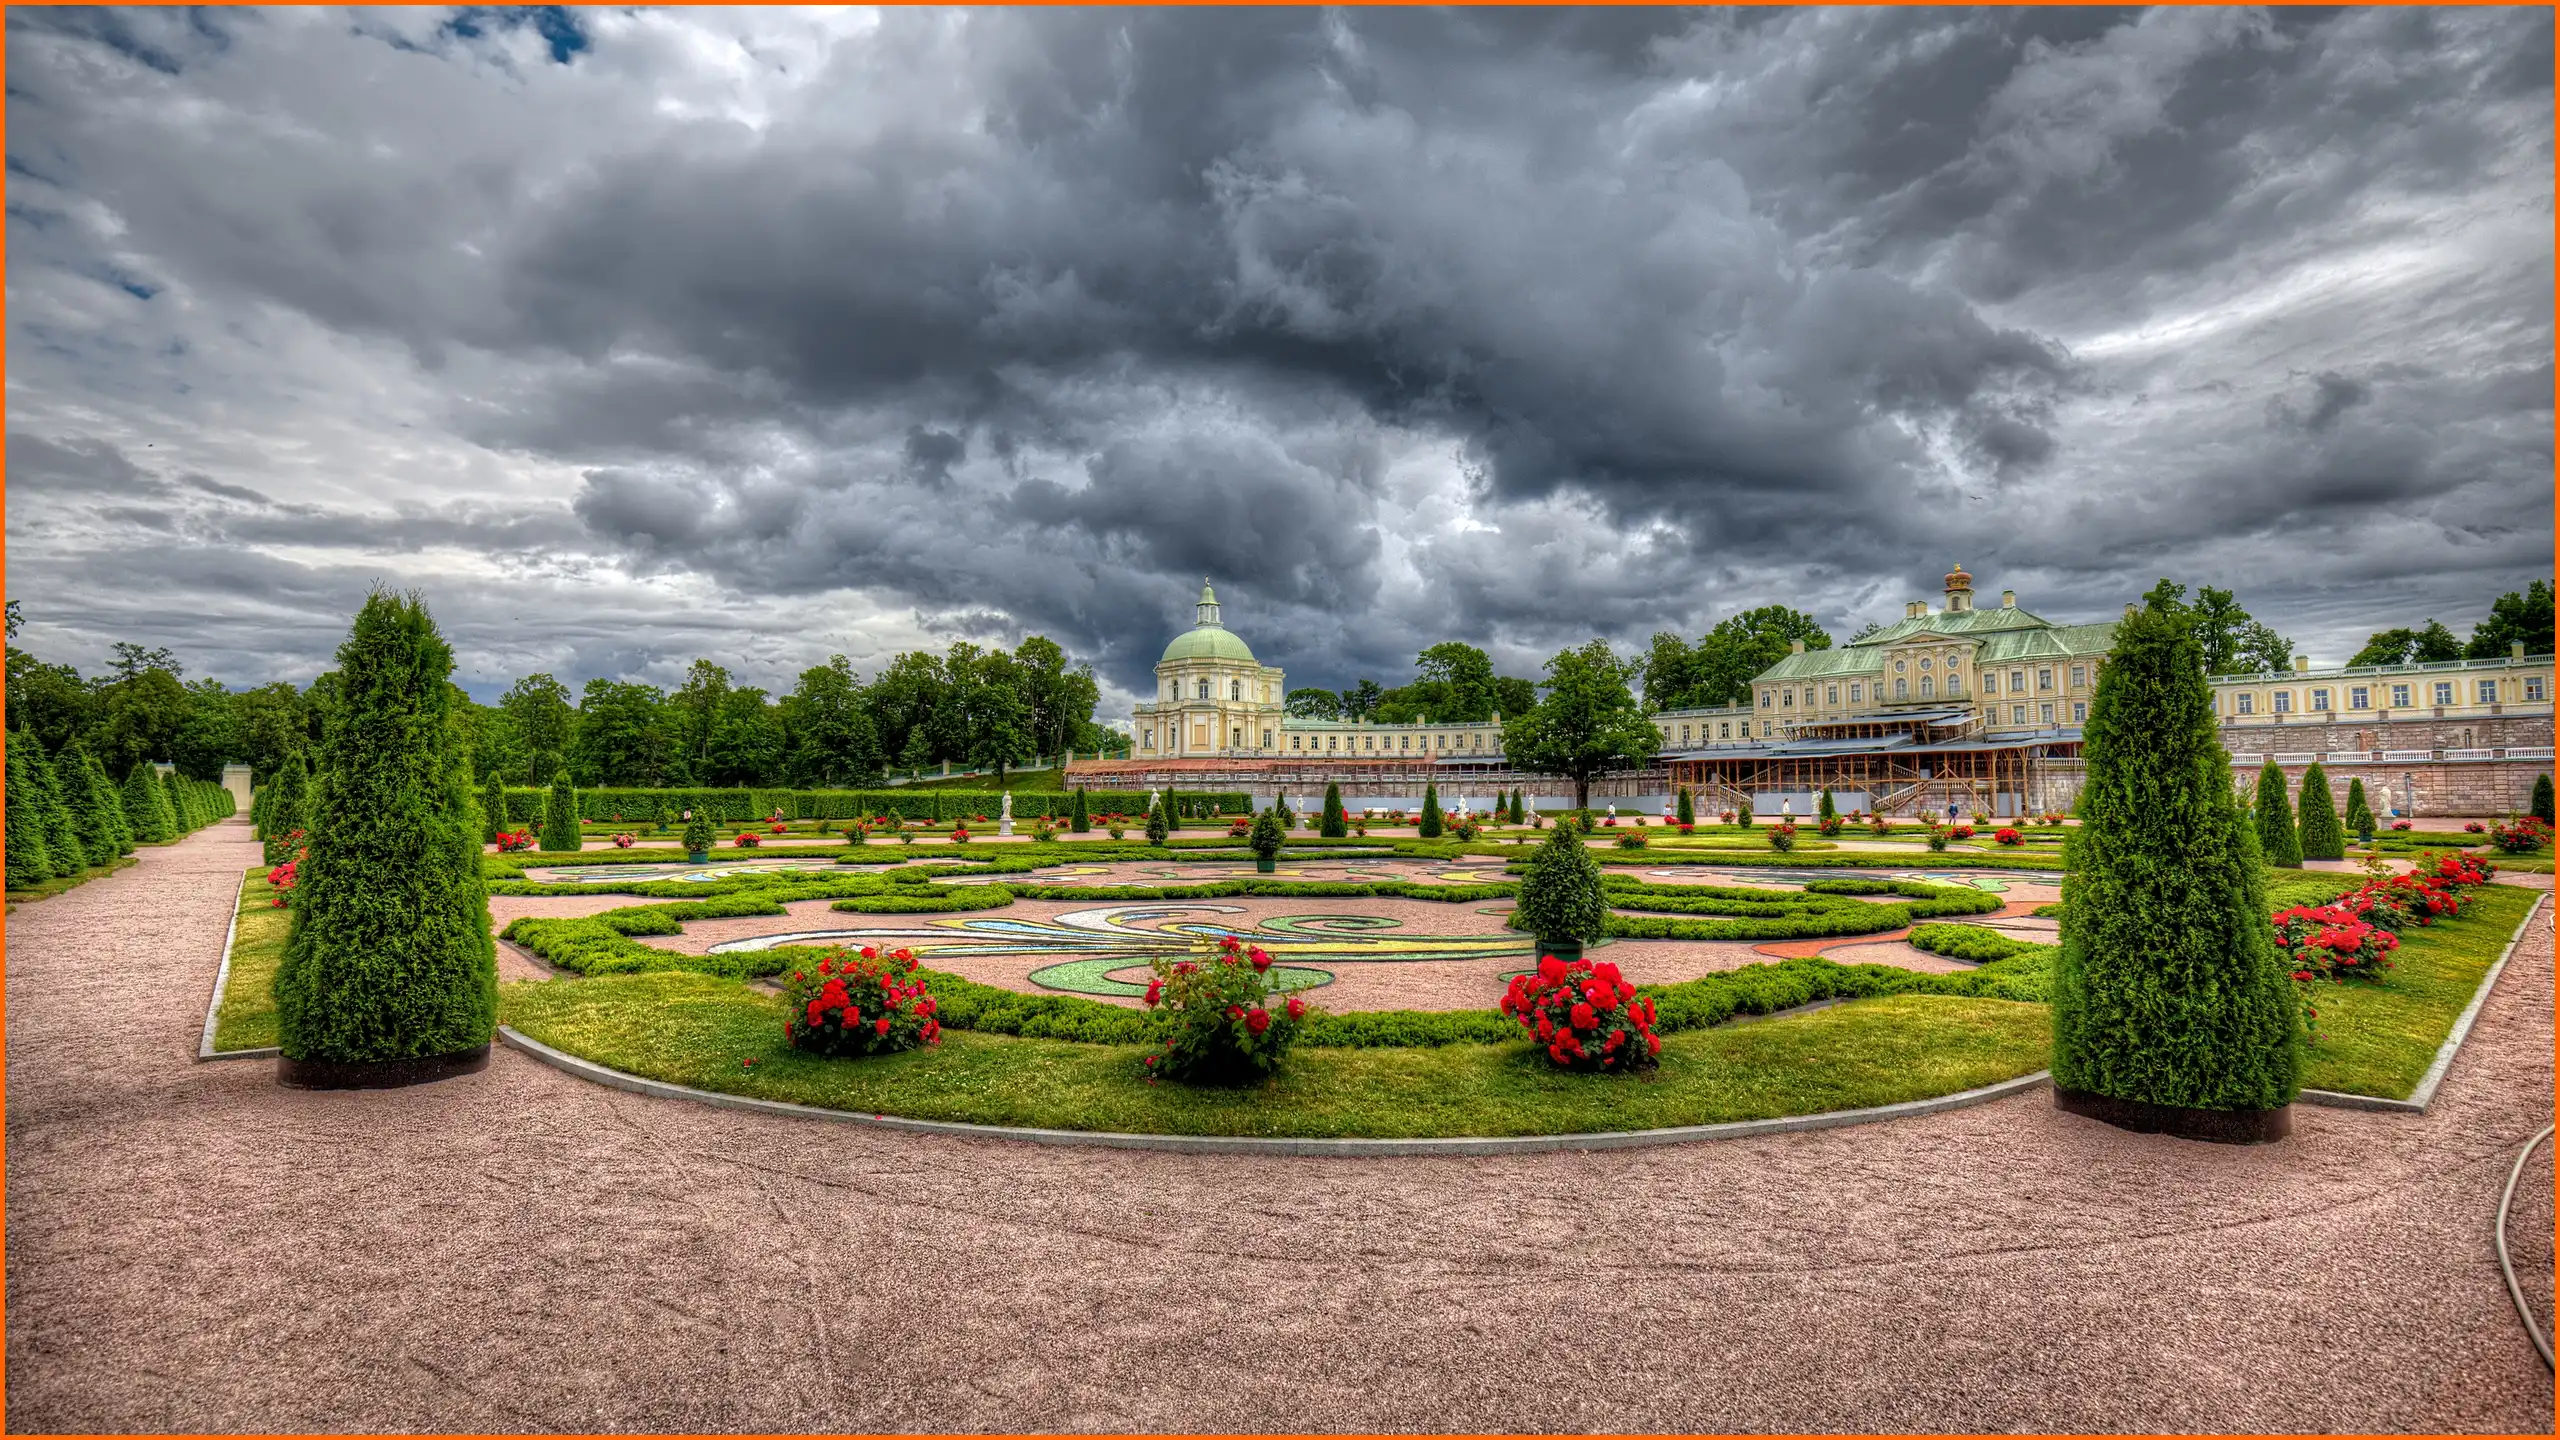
column 51, row 888
column 2379, row 1039
column 699, row 1030
column 247, row 1018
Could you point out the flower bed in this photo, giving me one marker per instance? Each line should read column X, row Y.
column 866, row 1004
column 1586, row 1016
column 1219, row 1027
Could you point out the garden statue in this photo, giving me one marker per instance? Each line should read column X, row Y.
column 1787, row 811
column 1613, row 812
column 1004, row 822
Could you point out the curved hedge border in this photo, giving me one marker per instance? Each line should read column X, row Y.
column 1970, row 942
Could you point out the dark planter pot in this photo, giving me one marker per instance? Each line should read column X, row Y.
column 378, row 1074
column 1567, row 951
column 2220, row 1127
column 697, row 857
column 1265, row 867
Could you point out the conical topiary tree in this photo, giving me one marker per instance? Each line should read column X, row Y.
column 1159, row 825
column 1079, row 818
column 2359, row 810
column 30, row 863
column 2169, row 998
column 493, row 808
column 286, row 806
column 1823, row 809
column 1561, row 904
column 2541, row 806
column 2321, row 839
column 181, row 812
column 1335, row 824
column 389, row 973
column 1688, row 812
column 63, row 849
column 1429, row 829
column 146, row 806
column 560, row 816
column 2278, row 841
column 95, row 815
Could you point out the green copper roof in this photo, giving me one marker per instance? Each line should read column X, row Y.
column 1814, row 664
column 1957, row 622
column 1209, row 642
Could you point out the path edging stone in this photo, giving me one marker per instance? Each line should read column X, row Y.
column 222, row 982
column 1260, row 1145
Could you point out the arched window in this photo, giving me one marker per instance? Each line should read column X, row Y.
column 1204, row 689
column 1235, row 689
column 1928, row 685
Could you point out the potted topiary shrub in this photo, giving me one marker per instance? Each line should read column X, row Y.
column 1560, row 902
column 1265, row 841
column 697, row 837
column 1742, row 814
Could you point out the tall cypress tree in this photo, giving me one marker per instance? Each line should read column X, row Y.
column 389, row 957
column 2321, row 837
column 1430, row 826
column 1823, row 809
column 94, row 813
column 1159, row 823
column 2541, row 806
column 1335, row 824
column 1689, row 807
column 62, row 846
column 2278, row 841
column 181, row 814
column 493, row 808
column 1080, row 819
column 560, row 817
column 2167, row 988
column 146, row 806
column 29, row 862
column 2359, row 811
column 288, row 808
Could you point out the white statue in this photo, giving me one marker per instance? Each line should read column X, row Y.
column 1151, row 802
column 1613, row 812
column 1004, row 822
column 1787, row 808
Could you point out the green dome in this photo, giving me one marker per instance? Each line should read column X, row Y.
column 1209, row 642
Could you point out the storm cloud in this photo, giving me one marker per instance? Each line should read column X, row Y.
column 633, row 336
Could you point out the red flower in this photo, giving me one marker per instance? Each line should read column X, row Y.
column 1297, row 1008
column 1235, row 1012
column 1155, row 992
column 1583, row 1017
column 880, row 1026
column 1261, row 959
column 1257, row 1020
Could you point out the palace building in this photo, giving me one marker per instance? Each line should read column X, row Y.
column 1980, row 708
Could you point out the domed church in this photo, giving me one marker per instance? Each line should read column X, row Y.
column 1212, row 697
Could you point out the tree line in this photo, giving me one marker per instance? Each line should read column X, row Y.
column 971, row 705
column 2517, row 615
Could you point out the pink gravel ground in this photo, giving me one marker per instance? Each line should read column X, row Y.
column 193, row 1248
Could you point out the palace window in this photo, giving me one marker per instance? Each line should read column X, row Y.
column 1831, row 695
column 2444, row 693
column 2319, row 699
column 1955, row 685
column 1897, row 667
column 1768, row 698
column 1857, row 692
column 1373, row 743
column 1684, row 734
column 1788, row 699
column 1330, row 741
column 1404, row 742
column 1901, row 689
column 1764, row 728
column 2044, row 680
column 2488, row 692
column 2079, row 712
column 2359, row 698
column 1266, row 739
column 2017, row 714
column 1725, row 731
column 2079, row 676
column 1235, row 689
column 2017, row 682
column 1235, row 737
column 1204, row 689
column 2400, row 695
column 2047, row 716
column 2533, row 687
column 2284, row 702
column 1297, row 742
column 1928, row 685
column 2246, row 703
column 1924, row 662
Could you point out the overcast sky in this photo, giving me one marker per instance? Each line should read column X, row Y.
column 635, row 336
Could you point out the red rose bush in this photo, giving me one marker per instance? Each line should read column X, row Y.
column 1225, row 1024
column 864, row 1004
column 1587, row 1015
column 2332, row 942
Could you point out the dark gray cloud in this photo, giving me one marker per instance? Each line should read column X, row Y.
column 636, row 335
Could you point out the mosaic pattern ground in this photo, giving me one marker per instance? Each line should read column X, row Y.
column 1119, row 937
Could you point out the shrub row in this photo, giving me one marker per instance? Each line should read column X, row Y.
column 1969, row 942
column 738, row 807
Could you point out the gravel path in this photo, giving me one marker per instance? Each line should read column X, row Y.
column 193, row 1248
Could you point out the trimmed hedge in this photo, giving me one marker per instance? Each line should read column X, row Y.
column 1976, row 943
column 740, row 807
